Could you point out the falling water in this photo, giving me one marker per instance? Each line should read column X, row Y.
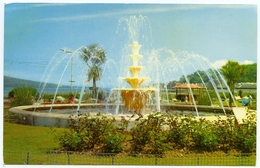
column 160, row 65
column 59, row 82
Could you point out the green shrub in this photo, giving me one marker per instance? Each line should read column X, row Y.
column 22, row 96
column 66, row 95
column 204, row 100
column 159, row 132
column 148, row 135
column 225, row 132
column 245, row 134
column 180, row 127
column 93, row 132
column 71, row 140
column 204, row 136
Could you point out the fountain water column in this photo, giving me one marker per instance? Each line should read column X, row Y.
column 135, row 98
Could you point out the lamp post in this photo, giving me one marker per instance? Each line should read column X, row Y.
column 71, row 75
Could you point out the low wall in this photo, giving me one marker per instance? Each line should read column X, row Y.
column 200, row 108
column 20, row 116
column 27, row 116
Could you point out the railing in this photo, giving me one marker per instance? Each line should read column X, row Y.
column 85, row 158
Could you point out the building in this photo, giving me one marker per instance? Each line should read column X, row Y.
column 185, row 91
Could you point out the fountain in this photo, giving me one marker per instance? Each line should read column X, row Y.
column 135, row 98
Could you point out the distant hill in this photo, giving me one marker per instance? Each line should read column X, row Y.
column 11, row 82
column 17, row 82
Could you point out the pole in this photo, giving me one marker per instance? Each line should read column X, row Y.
column 71, row 76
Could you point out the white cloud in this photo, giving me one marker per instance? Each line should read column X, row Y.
column 106, row 14
column 219, row 63
column 246, row 62
column 142, row 9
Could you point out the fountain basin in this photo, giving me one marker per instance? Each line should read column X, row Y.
column 136, row 99
column 41, row 117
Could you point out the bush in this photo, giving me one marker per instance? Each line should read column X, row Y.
column 22, row 96
column 204, row 100
column 67, row 96
column 93, row 133
column 180, row 128
column 245, row 134
column 148, row 135
column 225, row 132
column 159, row 132
column 204, row 136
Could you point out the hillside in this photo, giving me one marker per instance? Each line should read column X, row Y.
column 17, row 82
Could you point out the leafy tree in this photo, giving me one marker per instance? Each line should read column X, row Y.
column 94, row 55
column 232, row 72
column 250, row 73
column 196, row 77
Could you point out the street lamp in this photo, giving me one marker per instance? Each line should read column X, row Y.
column 71, row 76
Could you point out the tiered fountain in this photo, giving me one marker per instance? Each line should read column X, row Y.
column 135, row 98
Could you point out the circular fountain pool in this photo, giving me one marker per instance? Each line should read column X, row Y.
column 61, row 114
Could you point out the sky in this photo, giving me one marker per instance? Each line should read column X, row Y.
column 35, row 32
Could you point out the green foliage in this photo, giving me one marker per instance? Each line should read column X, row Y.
column 180, row 128
column 22, row 96
column 47, row 96
column 224, row 132
column 159, row 132
column 113, row 141
column 101, row 95
column 250, row 73
column 92, row 133
column 71, row 140
column 232, row 72
column 245, row 134
column 66, row 95
column 148, row 134
column 94, row 56
column 196, row 77
column 240, row 93
column 249, row 70
column 204, row 100
column 204, row 136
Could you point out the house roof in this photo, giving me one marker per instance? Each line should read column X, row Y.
column 186, row 86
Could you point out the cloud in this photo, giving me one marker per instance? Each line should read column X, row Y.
column 219, row 63
column 107, row 14
column 246, row 62
column 143, row 9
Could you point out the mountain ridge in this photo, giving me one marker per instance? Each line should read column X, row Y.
column 18, row 82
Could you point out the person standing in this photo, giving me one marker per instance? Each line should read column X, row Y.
column 249, row 99
column 186, row 99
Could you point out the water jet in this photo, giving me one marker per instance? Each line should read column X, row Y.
column 145, row 93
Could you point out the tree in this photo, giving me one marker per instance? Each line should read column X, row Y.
column 232, row 72
column 250, row 73
column 94, row 55
column 197, row 77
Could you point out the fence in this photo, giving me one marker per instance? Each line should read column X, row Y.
column 84, row 158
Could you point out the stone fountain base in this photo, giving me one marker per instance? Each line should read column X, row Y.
column 27, row 116
column 136, row 99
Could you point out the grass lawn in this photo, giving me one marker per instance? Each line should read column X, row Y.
column 31, row 144
column 20, row 139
